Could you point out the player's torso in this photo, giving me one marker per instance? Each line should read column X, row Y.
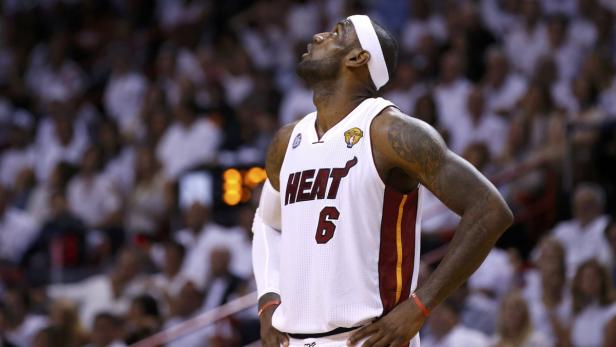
column 332, row 202
column 321, row 178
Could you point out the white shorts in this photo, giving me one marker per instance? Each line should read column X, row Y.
column 338, row 340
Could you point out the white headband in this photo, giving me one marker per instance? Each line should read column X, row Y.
column 370, row 42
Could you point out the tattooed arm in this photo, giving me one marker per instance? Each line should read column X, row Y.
column 411, row 145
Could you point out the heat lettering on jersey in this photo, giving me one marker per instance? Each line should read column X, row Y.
column 313, row 184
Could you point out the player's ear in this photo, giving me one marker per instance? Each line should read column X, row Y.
column 357, row 57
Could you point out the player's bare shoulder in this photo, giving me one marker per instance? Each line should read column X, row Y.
column 407, row 142
column 276, row 152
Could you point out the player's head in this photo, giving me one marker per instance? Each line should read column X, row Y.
column 356, row 48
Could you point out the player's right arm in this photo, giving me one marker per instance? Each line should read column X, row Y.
column 266, row 242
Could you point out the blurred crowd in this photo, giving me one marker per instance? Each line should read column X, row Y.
column 106, row 105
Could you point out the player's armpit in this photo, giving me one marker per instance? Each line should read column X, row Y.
column 416, row 148
column 276, row 152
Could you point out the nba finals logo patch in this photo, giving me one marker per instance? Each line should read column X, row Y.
column 297, row 140
column 352, row 136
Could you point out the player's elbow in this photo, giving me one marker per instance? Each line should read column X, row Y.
column 504, row 215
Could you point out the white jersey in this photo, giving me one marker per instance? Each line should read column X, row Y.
column 350, row 244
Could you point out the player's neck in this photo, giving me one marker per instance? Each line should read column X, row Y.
column 334, row 101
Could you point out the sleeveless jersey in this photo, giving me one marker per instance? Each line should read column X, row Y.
column 350, row 244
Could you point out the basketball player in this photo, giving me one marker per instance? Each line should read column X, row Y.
column 336, row 234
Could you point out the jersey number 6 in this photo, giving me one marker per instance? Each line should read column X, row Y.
column 326, row 228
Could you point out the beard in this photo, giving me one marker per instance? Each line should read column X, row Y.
column 318, row 71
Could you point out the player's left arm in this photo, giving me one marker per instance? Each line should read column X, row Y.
column 415, row 147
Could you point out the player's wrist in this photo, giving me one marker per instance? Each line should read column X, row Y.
column 419, row 304
column 268, row 308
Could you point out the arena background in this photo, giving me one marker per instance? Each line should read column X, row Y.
column 132, row 141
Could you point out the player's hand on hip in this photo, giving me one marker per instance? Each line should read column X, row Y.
column 395, row 329
column 270, row 337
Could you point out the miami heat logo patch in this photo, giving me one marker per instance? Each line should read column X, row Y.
column 352, row 136
column 297, row 140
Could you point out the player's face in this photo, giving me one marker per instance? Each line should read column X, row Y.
column 324, row 55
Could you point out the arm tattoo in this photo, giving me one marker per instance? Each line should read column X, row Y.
column 415, row 144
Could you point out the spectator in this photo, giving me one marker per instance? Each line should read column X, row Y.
column 51, row 73
column 166, row 73
column 20, row 156
column 592, row 304
column 536, row 133
column 143, row 318
column 445, row 329
column 61, row 243
column 477, row 125
column 90, row 194
column 476, row 39
column 296, row 103
column 157, row 124
column 210, row 236
column 106, row 292
column 405, row 89
column 262, row 34
column 39, row 204
column 502, row 87
column 59, row 139
column 561, row 48
column 528, row 39
column 124, row 93
column 117, row 157
column 21, row 325
column 599, row 70
column 64, row 317
column 423, row 22
column 185, row 306
column 169, row 281
column 188, row 142
column 221, row 284
column 148, row 203
column 487, row 286
column 452, row 90
column 583, row 236
column 426, row 110
column 515, row 327
column 107, row 331
column 549, row 301
column 236, row 80
column 586, row 121
column 17, row 231
column 196, row 217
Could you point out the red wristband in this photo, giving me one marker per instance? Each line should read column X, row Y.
column 422, row 307
column 268, row 304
